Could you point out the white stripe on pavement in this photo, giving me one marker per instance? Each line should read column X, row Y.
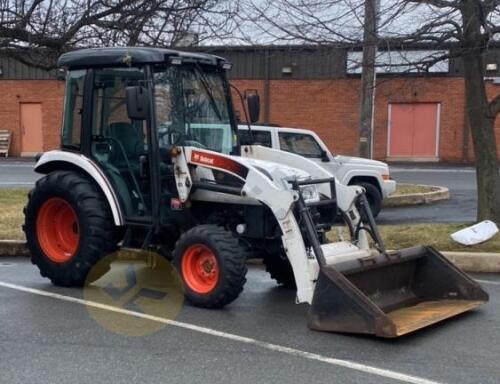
column 17, row 183
column 388, row 374
column 488, row 282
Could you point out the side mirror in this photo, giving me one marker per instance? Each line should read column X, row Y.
column 137, row 102
column 253, row 105
column 324, row 156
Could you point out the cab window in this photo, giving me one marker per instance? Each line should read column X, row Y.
column 73, row 109
column 300, row 143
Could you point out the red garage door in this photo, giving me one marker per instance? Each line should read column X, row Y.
column 413, row 131
column 31, row 129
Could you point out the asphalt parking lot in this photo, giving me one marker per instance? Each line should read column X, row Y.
column 460, row 208
column 47, row 336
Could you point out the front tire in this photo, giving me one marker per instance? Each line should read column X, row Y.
column 68, row 227
column 212, row 265
column 279, row 268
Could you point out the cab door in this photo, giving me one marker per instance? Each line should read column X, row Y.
column 120, row 145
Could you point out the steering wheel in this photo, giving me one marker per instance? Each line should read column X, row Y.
column 169, row 133
column 194, row 143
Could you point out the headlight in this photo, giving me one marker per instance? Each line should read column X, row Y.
column 310, row 192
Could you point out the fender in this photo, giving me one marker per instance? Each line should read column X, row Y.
column 349, row 175
column 57, row 160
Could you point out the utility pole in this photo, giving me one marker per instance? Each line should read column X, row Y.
column 368, row 78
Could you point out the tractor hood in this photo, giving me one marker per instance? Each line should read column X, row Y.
column 275, row 171
column 280, row 175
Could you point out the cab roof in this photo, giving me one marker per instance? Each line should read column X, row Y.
column 100, row 57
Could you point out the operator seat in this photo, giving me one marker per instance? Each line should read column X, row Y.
column 130, row 141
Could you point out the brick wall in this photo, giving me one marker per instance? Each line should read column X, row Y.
column 329, row 107
column 47, row 92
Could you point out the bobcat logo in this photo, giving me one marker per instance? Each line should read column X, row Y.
column 203, row 159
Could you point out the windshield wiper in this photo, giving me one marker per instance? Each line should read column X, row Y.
column 204, row 82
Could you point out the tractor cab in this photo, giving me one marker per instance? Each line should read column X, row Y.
column 126, row 108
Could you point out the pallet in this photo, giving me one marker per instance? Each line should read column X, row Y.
column 5, row 138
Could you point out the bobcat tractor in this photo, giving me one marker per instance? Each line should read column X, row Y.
column 150, row 159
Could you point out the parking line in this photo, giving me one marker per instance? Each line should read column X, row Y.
column 488, row 282
column 17, row 183
column 233, row 337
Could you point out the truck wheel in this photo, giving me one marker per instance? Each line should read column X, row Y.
column 373, row 196
column 212, row 265
column 68, row 227
column 280, row 269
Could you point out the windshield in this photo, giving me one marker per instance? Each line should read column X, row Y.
column 192, row 108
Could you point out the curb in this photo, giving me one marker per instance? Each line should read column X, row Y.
column 11, row 248
column 483, row 262
column 467, row 261
column 441, row 193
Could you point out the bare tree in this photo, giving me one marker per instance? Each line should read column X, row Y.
column 36, row 32
column 368, row 78
column 469, row 26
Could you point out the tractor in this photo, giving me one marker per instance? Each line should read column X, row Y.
column 150, row 159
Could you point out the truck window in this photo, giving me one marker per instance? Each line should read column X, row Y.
column 300, row 144
column 259, row 137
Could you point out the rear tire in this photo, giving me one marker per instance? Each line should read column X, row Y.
column 373, row 196
column 212, row 265
column 279, row 268
column 68, row 227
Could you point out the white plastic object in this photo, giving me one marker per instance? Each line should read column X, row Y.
column 476, row 233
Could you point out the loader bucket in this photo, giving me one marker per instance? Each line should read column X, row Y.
column 392, row 295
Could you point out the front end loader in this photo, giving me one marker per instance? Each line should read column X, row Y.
column 150, row 159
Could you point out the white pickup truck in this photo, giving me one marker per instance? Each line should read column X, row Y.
column 371, row 174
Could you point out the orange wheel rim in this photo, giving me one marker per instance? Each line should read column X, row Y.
column 199, row 268
column 57, row 230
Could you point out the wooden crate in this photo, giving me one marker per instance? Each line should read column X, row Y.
column 5, row 137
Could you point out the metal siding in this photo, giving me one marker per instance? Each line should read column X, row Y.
column 308, row 63
column 15, row 70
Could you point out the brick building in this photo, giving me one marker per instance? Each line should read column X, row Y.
column 417, row 116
